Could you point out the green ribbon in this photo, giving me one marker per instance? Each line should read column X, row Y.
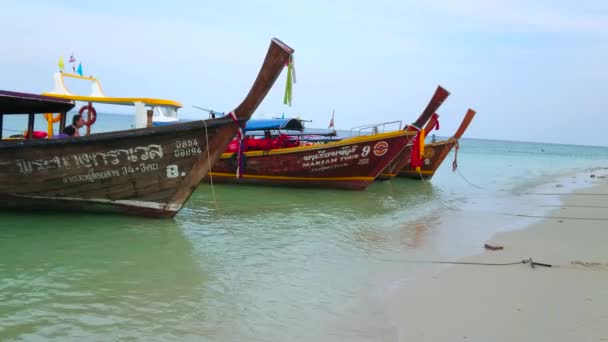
column 288, row 86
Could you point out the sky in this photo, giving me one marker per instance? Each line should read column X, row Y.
column 533, row 70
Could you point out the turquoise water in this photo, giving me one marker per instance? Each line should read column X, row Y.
column 243, row 263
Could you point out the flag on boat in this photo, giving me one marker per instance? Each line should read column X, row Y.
column 79, row 71
column 331, row 122
column 72, row 61
column 61, row 65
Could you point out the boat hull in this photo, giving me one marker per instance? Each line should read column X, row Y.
column 394, row 167
column 434, row 154
column 346, row 164
column 147, row 171
column 135, row 172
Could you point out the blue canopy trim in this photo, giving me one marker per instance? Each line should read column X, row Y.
column 270, row 124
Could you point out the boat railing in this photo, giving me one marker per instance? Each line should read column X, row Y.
column 372, row 129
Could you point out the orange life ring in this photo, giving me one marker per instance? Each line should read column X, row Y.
column 93, row 114
column 53, row 119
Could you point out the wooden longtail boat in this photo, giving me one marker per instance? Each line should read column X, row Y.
column 403, row 158
column 351, row 163
column 147, row 171
column 435, row 153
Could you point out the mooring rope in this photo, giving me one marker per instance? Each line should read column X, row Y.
column 480, row 263
column 558, row 217
column 564, row 194
column 574, row 206
column 524, row 261
column 217, row 209
column 469, row 182
column 438, row 200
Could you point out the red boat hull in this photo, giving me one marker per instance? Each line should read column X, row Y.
column 401, row 161
column 434, row 154
column 346, row 164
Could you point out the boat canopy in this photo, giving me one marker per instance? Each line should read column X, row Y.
column 98, row 96
column 273, row 124
column 164, row 110
column 23, row 103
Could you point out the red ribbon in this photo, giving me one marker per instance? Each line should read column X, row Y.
column 239, row 137
column 416, row 159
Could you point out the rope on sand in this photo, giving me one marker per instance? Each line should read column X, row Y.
column 574, row 206
column 525, row 261
column 559, row 217
column 564, row 194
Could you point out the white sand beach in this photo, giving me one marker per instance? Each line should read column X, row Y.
column 566, row 302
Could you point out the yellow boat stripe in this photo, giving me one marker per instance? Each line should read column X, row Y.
column 424, row 172
column 223, row 174
column 388, row 174
column 127, row 101
column 88, row 78
column 347, row 141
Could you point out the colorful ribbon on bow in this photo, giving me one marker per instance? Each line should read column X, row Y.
column 417, row 148
column 239, row 151
column 291, row 79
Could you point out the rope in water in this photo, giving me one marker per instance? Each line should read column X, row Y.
column 466, row 180
column 217, row 209
column 440, row 201
column 463, row 177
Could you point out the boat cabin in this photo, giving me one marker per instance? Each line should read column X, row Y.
column 15, row 103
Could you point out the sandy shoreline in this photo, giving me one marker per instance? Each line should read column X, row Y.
column 567, row 302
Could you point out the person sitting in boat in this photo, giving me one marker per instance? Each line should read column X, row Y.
column 72, row 130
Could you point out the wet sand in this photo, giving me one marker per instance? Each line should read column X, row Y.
column 565, row 302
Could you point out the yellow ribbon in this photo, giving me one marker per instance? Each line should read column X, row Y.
column 421, row 141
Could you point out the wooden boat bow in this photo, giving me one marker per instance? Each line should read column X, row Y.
column 276, row 58
column 464, row 124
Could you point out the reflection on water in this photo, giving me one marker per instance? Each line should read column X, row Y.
column 300, row 259
column 77, row 276
column 412, row 234
column 250, row 263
